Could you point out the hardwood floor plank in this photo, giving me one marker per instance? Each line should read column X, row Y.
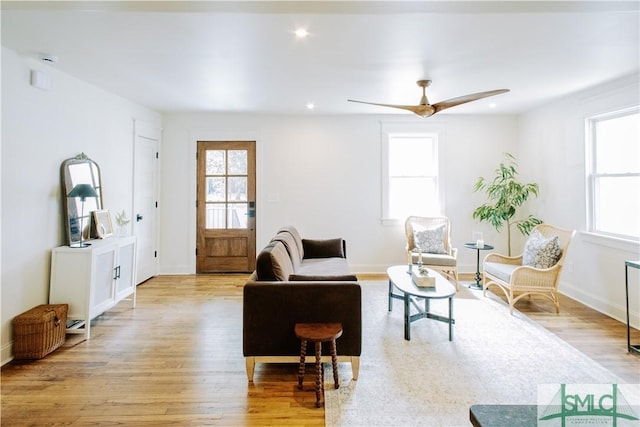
column 177, row 360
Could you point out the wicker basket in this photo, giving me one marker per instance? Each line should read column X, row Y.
column 39, row 331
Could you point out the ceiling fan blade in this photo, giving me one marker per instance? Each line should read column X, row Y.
column 439, row 106
column 420, row 110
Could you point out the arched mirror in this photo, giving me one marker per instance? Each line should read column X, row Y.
column 76, row 211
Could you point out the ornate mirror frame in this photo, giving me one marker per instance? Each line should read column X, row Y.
column 79, row 170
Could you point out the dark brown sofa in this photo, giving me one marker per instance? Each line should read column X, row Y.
column 299, row 281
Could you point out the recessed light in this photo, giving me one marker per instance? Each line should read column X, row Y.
column 301, row 33
column 310, row 106
column 492, row 105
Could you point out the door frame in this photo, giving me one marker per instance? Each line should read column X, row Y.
column 196, row 135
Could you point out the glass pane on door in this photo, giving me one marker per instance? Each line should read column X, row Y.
column 216, row 162
column 237, row 215
column 237, row 162
column 215, row 216
column 237, row 189
column 215, row 189
column 226, row 185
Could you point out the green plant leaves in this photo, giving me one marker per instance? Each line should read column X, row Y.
column 506, row 194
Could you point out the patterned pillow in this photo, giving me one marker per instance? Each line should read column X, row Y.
column 540, row 252
column 429, row 240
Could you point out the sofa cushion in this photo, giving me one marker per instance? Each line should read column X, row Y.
column 325, row 248
column 540, row 251
column 499, row 270
column 324, row 267
column 273, row 263
column 323, row 278
column 430, row 240
column 296, row 237
column 291, row 246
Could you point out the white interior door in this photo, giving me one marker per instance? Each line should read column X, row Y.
column 145, row 198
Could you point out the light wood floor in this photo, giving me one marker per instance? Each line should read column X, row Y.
column 177, row 360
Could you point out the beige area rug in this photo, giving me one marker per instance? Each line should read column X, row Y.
column 495, row 358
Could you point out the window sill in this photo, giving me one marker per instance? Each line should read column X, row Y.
column 611, row 242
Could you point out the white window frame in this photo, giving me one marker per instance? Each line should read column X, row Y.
column 435, row 130
column 593, row 175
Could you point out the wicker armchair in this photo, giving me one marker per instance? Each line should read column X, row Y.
column 517, row 280
column 444, row 260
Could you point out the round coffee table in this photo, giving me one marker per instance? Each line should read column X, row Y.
column 400, row 278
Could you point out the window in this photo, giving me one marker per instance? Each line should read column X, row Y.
column 411, row 184
column 226, row 189
column 613, row 147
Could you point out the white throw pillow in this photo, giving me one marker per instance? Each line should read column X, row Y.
column 429, row 240
column 541, row 252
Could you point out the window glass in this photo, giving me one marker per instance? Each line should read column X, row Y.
column 411, row 175
column 614, row 174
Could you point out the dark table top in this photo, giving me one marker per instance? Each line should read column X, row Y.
column 504, row 415
column 475, row 246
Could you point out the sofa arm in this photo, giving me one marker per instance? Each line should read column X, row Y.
column 271, row 310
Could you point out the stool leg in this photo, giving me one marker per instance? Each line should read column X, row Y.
column 303, row 353
column 334, row 363
column 319, row 384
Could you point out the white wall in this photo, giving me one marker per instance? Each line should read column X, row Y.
column 551, row 146
column 39, row 130
column 324, row 169
column 325, row 172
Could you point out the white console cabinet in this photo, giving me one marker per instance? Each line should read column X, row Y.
column 93, row 279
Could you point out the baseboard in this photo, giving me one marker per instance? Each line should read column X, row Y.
column 6, row 353
column 615, row 311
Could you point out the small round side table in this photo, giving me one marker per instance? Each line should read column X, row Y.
column 318, row 333
column 486, row 247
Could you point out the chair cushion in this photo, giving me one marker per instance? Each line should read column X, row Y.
column 435, row 259
column 501, row 271
column 540, row 251
column 430, row 240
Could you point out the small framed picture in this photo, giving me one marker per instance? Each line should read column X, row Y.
column 102, row 220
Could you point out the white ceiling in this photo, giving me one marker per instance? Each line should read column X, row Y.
column 243, row 56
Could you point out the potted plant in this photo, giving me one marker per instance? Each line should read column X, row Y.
column 506, row 194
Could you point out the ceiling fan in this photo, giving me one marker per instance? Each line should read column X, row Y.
column 424, row 109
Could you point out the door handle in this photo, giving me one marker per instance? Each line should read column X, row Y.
column 138, row 217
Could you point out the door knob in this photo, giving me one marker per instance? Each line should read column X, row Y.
column 138, row 217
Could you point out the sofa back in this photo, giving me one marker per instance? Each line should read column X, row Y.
column 273, row 263
column 291, row 245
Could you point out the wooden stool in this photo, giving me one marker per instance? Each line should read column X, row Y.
column 318, row 333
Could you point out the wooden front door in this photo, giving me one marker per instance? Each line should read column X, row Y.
column 226, row 211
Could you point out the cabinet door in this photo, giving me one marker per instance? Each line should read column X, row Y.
column 127, row 265
column 104, row 270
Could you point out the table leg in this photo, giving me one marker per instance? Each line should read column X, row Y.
column 390, row 297
column 334, row 364
column 407, row 321
column 319, row 373
column 451, row 319
column 303, row 352
column 477, row 285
